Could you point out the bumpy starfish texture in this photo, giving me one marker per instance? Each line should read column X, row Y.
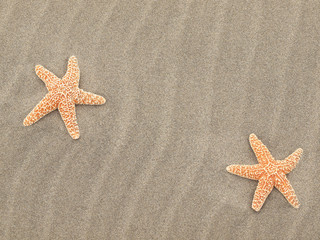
column 269, row 172
column 63, row 94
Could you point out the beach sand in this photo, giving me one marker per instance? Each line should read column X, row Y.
column 186, row 83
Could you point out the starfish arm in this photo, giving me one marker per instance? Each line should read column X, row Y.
column 261, row 151
column 263, row 190
column 89, row 98
column 47, row 77
column 47, row 105
column 284, row 186
column 73, row 71
column 290, row 162
column 246, row 171
column 68, row 114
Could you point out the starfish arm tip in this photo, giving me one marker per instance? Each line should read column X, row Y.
column 75, row 137
column 89, row 98
column 25, row 123
column 38, row 69
column 229, row 169
column 73, row 58
column 295, row 204
column 257, row 209
column 252, row 135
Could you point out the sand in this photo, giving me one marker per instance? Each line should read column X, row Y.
column 186, row 82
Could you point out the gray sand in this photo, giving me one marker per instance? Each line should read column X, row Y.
column 186, row 82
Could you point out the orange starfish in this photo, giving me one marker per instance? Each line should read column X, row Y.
column 63, row 94
column 269, row 172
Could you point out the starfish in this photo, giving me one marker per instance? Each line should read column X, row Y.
column 269, row 172
column 63, row 94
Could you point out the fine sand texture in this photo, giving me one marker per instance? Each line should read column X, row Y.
column 186, row 83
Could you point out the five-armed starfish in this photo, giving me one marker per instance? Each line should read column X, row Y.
column 63, row 94
column 269, row 172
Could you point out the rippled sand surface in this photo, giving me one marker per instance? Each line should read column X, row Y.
column 186, row 82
